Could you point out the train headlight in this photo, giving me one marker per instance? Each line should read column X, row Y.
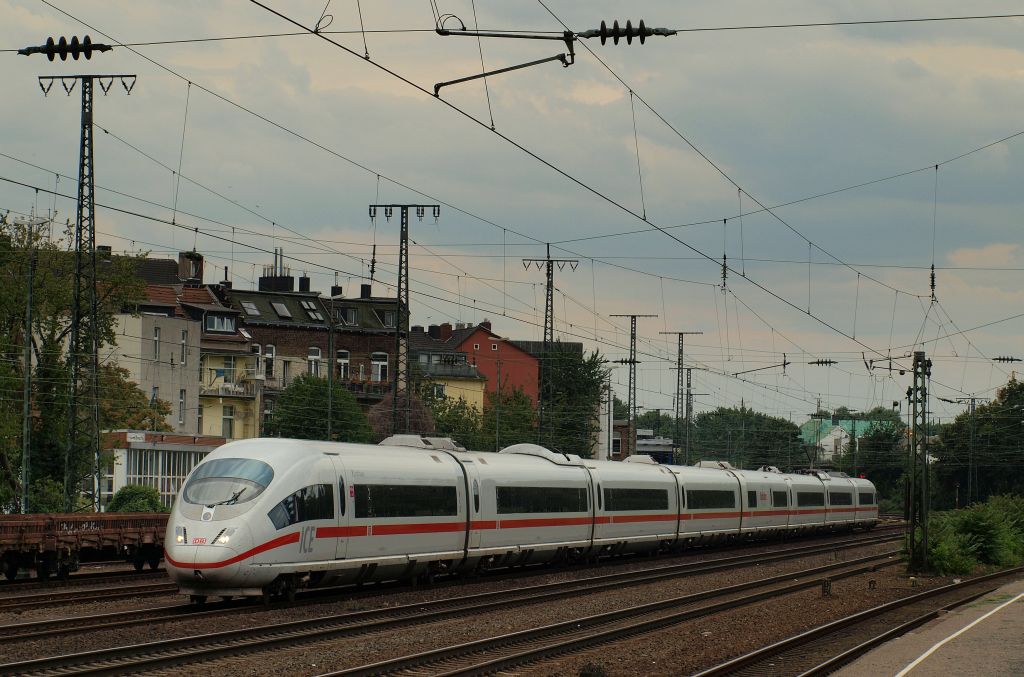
column 224, row 537
column 179, row 535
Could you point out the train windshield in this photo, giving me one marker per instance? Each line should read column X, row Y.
column 227, row 481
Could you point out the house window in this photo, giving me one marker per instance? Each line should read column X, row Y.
column 250, row 309
column 388, row 318
column 379, row 366
column 494, row 346
column 153, row 395
column 229, row 369
column 313, row 361
column 438, row 389
column 616, row 444
column 348, row 316
column 342, row 358
column 268, row 411
column 227, row 429
column 281, row 310
column 312, row 311
column 184, row 346
column 476, row 346
column 156, row 343
column 286, row 372
column 220, row 323
column 181, row 406
column 200, row 419
column 257, row 350
column 269, row 353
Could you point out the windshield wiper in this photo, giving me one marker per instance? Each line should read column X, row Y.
column 229, row 501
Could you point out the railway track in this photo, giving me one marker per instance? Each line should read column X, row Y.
column 826, row 648
column 62, row 626
column 87, row 578
column 22, row 602
column 161, row 654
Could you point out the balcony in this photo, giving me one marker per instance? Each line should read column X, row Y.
column 222, row 389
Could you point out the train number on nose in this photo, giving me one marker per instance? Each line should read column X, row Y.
column 198, row 541
column 306, row 537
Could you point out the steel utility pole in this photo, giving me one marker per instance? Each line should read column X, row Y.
column 401, row 403
column 972, row 470
column 548, row 264
column 85, row 259
column 26, row 421
column 918, row 484
column 632, row 362
column 682, row 406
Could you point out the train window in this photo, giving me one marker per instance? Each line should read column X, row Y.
column 780, row 499
column 476, row 496
column 405, row 500
column 806, row 499
column 618, row 500
column 227, row 480
column 682, row 498
column 752, row 499
column 867, row 498
column 599, row 497
column 315, row 502
column 515, row 500
column 704, row 499
column 341, row 494
column 840, row 498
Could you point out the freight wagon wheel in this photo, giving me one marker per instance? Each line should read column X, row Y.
column 154, row 562
column 11, row 570
column 138, row 563
column 43, row 571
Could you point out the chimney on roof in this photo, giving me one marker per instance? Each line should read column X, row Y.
column 190, row 268
column 303, row 283
column 365, row 291
column 434, row 332
column 336, row 290
column 446, row 331
column 416, row 329
column 226, row 282
column 277, row 277
column 486, row 324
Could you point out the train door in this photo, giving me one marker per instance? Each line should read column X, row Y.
column 346, row 495
column 474, row 505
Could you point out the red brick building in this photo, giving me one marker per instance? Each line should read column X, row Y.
column 497, row 359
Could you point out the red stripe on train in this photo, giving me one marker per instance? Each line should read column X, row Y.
column 269, row 545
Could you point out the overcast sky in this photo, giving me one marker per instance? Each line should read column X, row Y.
column 785, row 114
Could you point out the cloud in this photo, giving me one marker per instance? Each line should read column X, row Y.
column 993, row 255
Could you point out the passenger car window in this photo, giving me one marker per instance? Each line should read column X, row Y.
column 619, row 500
column 476, row 496
column 405, row 500
column 341, row 495
column 512, row 500
column 780, row 499
column 752, row 499
column 704, row 499
column 315, row 502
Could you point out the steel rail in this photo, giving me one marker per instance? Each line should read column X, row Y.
column 87, row 578
column 45, row 599
column 204, row 647
column 529, row 646
column 739, row 663
column 68, row 625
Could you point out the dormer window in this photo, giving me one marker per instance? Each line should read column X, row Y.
column 281, row 310
column 348, row 316
column 387, row 318
column 220, row 322
column 250, row 309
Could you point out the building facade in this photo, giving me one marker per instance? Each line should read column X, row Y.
column 503, row 364
column 446, row 370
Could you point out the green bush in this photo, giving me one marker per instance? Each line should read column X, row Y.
column 990, row 533
column 136, row 498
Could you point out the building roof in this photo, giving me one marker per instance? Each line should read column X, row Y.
column 309, row 310
column 157, row 271
column 818, row 429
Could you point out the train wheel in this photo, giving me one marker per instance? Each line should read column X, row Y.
column 154, row 562
column 197, row 599
column 63, row 571
column 138, row 564
column 11, row 571
column 43, row 571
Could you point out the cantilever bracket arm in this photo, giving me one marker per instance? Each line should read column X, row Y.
column 566, row 59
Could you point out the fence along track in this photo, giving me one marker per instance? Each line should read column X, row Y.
column 51, row 627
column 165, row 653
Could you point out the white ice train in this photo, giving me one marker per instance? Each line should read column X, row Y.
column 266, row 516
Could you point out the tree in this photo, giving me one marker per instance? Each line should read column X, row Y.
column 421, row 421
column 620, row 410
column 662, row 424
column 573, row 399
column 509, row 418
column 456, row 419
column 300, row 412
column 882, row 457
column 52, row 296
column 746, row 438
column 136, row 498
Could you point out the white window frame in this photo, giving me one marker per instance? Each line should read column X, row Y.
column 220, row 322
column 156, row 344
column 313, row 357
column 379, row 367
column 227, row 421
column 181, row 406
column 257, row 350
column 269, row 354
column 184, row 346
column 343, row 364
